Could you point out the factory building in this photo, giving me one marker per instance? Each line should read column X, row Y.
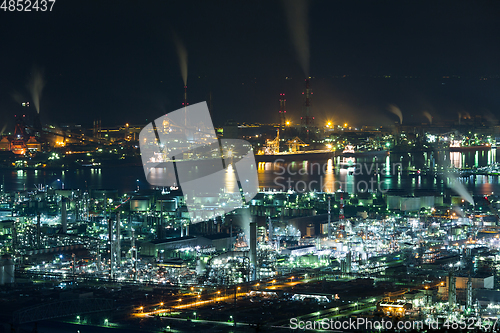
column 167, row 248
column 299, row 250
column 410, row 203
column 478, row 282
column 221, row 242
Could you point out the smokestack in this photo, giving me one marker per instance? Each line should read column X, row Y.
column 38, row 242
column 468, row 305
column 73, row 263
column 231, row 234
column 134, row 255
column 37, row 124
column 64, row 216
column 307, row 120
column 159, row 225
column 111, row 249
column 329, row 219
column 270, row 230
column 282, row 110
column 341, row 212
column 452, row 293
column 348, row 261
column 118, row 240
column 253, row 247
column 185, row 105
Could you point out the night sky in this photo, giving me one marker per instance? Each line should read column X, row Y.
column 117, row 60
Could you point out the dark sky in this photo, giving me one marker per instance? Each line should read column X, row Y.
column 116, row 59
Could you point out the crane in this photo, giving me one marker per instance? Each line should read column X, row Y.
column 295, row 144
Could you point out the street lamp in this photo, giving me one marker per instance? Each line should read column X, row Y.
column 235, row 294
column 106, row 322
column 195, row 316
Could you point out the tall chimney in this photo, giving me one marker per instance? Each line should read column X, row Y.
column 253, row 247
column 111, row 250
column 38, row 241
column 329, row 219
column 64, row 216
column 270, row 230
column 118, row 240
column 307, row 119
column 185, row 105
column 452, row 291
column 282, row 110
column 134, row 255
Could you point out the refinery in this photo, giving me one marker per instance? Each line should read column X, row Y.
column 327, row 228
column 297, row 182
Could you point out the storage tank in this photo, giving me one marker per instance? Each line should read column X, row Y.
column 410, row 204
column 139, row 204
column 393, row 202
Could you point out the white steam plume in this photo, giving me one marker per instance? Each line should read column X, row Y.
column 458, row 187
column 183, row 57
column 35, row 86
column 394, row 109
column 428, row 116
column 297, row 17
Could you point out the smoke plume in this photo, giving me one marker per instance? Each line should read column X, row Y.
column 428, row 116
column 297, row 16
column 394, row 109
column 183, row 57
column 35, row 87
column 458, row 187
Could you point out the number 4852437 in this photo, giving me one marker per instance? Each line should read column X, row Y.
column 27, row 5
